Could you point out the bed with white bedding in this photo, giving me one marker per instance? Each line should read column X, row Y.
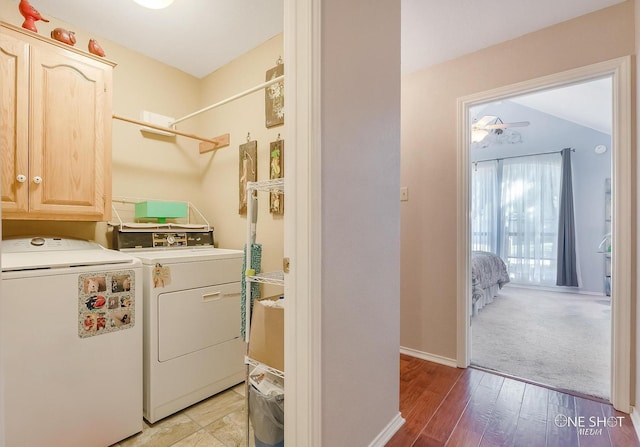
column 488, row 275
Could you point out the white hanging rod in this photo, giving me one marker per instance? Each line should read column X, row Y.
column 232, row 98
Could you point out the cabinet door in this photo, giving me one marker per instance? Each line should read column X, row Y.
column 14, row 114
column 70, row 135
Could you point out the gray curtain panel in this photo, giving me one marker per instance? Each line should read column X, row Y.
column 567, row 267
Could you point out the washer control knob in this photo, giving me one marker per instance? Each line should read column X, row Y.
column 37, row 179
column 21, row 178
column 37, row 241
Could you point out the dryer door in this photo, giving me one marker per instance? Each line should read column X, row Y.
column 195, row 319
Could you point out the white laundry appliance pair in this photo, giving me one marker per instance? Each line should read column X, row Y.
column 191, row 295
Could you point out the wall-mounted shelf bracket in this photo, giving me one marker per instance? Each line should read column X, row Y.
column 219, row 142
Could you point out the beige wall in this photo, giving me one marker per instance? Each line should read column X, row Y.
column 429, row 120
column 151, row 166
column 219, row 170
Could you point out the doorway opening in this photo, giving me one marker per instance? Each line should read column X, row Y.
column 540, row 236
column 618, row 73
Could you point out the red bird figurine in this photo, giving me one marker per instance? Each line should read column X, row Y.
column 64, row 36
column 95, row 48
column 31, row 15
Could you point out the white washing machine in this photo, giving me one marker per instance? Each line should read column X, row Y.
column 192, row 343
column 71, row 334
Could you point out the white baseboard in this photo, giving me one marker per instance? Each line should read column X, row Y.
column 429, row 357
column 388, row 432
column 635, row 420
column 586, row 292
column 559, row 289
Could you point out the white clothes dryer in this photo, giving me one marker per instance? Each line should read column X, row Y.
column 192, row 343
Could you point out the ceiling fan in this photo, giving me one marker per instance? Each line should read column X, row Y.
column 488, row 124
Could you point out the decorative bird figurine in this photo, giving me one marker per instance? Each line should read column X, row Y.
column 31, row 15
column 64, row 36
column 95, row 48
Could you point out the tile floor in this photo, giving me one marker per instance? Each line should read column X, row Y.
column 219, row 421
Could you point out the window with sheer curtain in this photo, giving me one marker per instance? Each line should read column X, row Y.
column 484, row 207
column 521, row 223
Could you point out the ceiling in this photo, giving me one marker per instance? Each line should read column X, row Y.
column 436, row 31
column 195, row 36
column 588, row 104
column 200, row 36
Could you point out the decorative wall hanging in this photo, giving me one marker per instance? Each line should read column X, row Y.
column 276, row 170
column 248, row 163
column 274, row 97
column 31, row 16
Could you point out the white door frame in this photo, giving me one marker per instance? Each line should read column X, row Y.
column 302, row 224
column 621, row 317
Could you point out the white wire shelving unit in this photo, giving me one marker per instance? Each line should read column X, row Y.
column 262, row 367
column 275, row 186
column 276, row 278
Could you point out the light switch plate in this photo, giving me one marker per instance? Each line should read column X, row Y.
column 404, row 194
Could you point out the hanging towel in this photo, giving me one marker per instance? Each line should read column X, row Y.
column 256, row 259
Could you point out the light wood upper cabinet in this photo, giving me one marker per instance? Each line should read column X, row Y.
column 55, row 118
column 14, row 135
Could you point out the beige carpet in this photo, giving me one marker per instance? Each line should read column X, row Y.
column 558, row 339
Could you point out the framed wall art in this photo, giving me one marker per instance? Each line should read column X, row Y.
column 248, row 171
column 274, row 97
column 276, row 170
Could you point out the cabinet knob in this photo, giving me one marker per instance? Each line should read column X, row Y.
column 21, row 178
column 37, row 179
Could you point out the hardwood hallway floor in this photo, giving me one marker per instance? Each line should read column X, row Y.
column 454, row 407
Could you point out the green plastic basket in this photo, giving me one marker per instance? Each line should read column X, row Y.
column 161, row 210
